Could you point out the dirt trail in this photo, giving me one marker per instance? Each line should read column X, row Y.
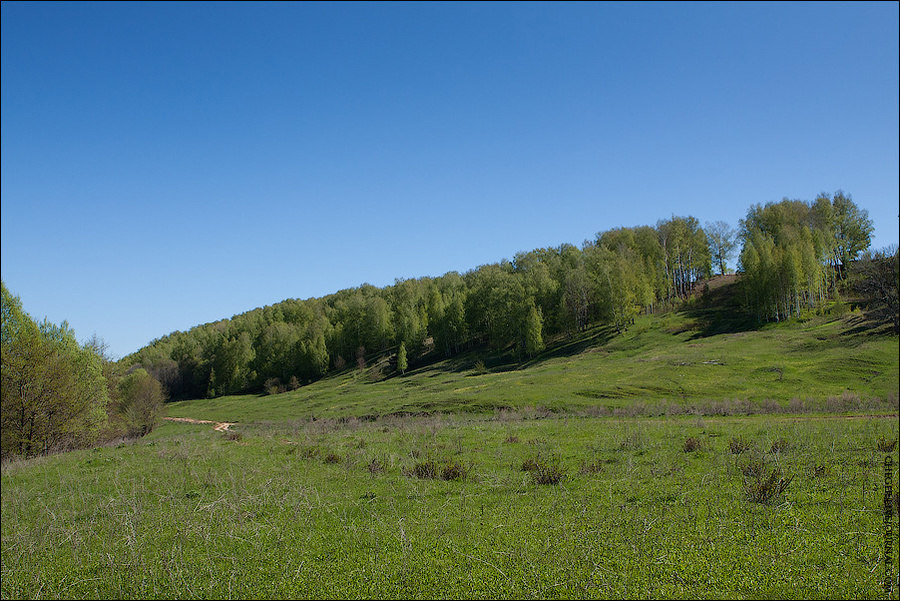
column 218, row 427
column 224, row 426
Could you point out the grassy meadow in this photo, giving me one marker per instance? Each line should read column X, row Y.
column 663, row 363
column 664, row 462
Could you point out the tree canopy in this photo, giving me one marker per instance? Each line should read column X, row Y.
column 54, row 394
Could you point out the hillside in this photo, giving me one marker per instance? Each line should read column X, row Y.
column 707, row 358
column 797, row 261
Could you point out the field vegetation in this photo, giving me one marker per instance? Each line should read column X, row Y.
column 514, row 504
column 478, row 477
column 604, row 422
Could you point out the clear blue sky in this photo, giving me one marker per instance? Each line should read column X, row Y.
column 169, row 164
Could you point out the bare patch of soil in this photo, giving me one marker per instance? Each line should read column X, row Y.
column 217, row 426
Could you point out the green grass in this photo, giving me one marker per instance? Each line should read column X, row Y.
column 190, row 513
column 661, row 363
column 691, row 456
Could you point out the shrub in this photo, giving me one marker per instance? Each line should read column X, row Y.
column 274, row 386
column 543, row 471
column 760, row 488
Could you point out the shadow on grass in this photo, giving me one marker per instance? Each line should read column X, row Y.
column 719, row 311
column 869, row 324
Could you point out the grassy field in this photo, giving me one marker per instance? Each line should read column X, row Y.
column 460, row 507
column 660, row 364
column 670, row 461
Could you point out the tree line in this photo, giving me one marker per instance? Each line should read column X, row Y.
column 794, row 257
column 510, row 305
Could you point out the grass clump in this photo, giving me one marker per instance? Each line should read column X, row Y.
column 430, row 469
column 543, row 470
column 376, row 466
column 738, row 445
column 423, row 470
column 308, row 452
column 780, row 445
column 763, row 488
column 691, row 444
column 590, row 467
column 453, row 470
column 885, row 445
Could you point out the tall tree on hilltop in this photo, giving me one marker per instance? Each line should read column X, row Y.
column 722, row 239
column 852, row 229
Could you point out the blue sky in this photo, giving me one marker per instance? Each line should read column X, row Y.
column 169, row 164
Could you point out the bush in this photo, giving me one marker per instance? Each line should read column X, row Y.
column 762, row 488
column 274, row 386
column 141, row 401
column 543, row 471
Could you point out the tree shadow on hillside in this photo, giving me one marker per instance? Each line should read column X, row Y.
column 719, row 311
column 481, row 359
column 593, row 339
column 869, row 324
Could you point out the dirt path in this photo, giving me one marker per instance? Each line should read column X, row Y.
column 224, row 426
column 218, row 427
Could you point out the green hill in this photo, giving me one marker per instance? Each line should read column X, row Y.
column 706, row 358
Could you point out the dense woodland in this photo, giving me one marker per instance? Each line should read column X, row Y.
column 795, row 256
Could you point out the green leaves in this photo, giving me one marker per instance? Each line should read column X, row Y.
column 54, row 394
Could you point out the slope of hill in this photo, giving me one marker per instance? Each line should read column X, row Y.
column 708, row 358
